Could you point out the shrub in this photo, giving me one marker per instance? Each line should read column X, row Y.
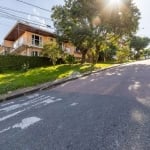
column 25, row 67
column 53, row 51
column 70, row 59
column 11, row 62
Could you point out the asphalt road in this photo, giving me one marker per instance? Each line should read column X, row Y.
column 109, row 110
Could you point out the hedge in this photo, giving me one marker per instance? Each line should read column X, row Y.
column 11, row 62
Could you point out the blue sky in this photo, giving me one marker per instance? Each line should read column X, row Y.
column 7, row 24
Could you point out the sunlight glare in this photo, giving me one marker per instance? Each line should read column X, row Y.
column 115, row 2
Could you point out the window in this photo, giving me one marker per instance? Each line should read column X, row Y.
column 34, row 53
column 36, row 40
column 77, row 50
column 51, row 39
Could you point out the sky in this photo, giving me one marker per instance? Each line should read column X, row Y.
column 6, row 24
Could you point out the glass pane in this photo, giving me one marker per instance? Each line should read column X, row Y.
column 37, row 43
column 36, row 53
column 36, row 37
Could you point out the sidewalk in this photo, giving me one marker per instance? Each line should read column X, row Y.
column 28, row 90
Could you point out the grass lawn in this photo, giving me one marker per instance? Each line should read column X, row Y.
column 14, row 80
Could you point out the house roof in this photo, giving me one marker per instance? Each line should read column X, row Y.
column 21, row 28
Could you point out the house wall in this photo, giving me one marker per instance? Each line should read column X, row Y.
column 45, row 39
column 20, row 41
column 26, row 39
column 8, row 43
column 28, row 51
column 1, row 49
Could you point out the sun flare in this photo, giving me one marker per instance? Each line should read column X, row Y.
column 114, row 2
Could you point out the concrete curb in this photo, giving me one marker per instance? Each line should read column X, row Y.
column 25, row 91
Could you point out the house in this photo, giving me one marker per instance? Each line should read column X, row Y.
column 1, row 48
column 27, row 40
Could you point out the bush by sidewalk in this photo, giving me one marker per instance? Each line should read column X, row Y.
column 11, row 62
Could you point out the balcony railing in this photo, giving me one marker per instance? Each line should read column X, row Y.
column 23, row 41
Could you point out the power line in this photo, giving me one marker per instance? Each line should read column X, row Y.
column 22, row 12
column 33, row 5
column 14, row 17
column 27, row 22
column 20, row 19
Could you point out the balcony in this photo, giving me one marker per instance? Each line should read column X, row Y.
column 22, row 44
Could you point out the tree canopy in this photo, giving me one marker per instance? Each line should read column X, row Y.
column 139, row 43
column 90, row 23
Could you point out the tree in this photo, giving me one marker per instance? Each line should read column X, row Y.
column 72, row 25
column 123, row 54
column 139, row 43
column 116, row 22
column 88, row 24
column 53, row 51
column 108, row 52
column 147, row 53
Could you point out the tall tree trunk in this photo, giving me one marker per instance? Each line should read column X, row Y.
column 83, row 58
column 104, row 56
column 96, row 56
column 104, row 59
column 97, row 53
column 84, row 52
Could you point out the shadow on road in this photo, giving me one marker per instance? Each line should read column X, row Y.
column 113, row 110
